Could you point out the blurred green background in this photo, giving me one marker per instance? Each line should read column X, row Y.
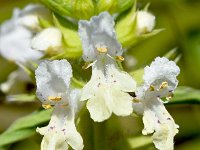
column 181, row 21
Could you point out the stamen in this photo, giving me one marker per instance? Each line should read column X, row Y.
column 53, row 98
column 164, row 85
column 120, row 58
column 46, row 106
column 102, row 49
column 136, row 100
column 87, row 65
column 170, row 96
column 152, row 88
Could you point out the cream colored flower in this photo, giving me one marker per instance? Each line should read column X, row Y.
column 107, row 89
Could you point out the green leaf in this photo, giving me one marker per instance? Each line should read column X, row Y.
column 21, row 98
column 185, row 95
column 72, row 43
column 11, row 137
column 24, row 127
column 31, row 120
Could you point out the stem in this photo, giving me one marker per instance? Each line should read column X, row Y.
column 99, row 135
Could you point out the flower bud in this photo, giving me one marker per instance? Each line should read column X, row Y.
column 49, row 39
column 135, row 26
column 145, row 22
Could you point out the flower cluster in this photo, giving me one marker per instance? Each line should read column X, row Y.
column 108, row 90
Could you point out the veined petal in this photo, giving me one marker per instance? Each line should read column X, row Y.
column 53, row 80
column 61, row 130
column 48, row 39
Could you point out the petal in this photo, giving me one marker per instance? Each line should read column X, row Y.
column 15, row 44
column 99, row 31
column 97, row 78
column 50, row 38
column 122, row 102
column 157, row 119
column 61, row 130
column 122, row 79
column 53, row 79
column 99, row 105
column 28, row 17
column 161, row 70
column 164, row 136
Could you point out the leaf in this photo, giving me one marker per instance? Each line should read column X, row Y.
column 24, row 127
column 11, row 137
column 186, row 95
column 72, row 43
column 21, row 98
column 31, row 120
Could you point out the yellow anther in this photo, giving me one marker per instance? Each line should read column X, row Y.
column 170, row 96
column 164, row 85
column 136, row 100
column 120, row 58
column 53, row 98
column 86, row 65
column 46, row 106
column 152, row 88
column 102, row 49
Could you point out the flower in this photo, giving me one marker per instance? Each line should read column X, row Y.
column 53, row 89
column 16, row 35
column 145, row 22
column 49, row 39
column 159, row 81
column 107, row 89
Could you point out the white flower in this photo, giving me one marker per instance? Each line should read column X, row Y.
column 145, row 22
column 159, row 81
column 107, row 89
column 53, row 89
column 15, row 38
column 47, row 39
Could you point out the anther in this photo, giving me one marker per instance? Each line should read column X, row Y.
column 152, row 88
column 46, row 106
column 136, row 100
column 120, row 58
column 102, row 49
column 53, row 98
column 170, row 96
column 163, row 85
